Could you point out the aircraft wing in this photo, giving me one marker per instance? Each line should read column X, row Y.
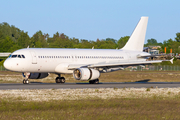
column 116, row 64
column 125, row 64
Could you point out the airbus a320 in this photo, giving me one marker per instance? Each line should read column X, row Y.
column 84, row 64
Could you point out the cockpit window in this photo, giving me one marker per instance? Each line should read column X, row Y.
column 23, row 56
column 19, row 56
column 14, row 56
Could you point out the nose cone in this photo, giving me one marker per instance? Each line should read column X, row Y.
column 7, row 64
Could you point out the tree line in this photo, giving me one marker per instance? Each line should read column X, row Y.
column 12, row 38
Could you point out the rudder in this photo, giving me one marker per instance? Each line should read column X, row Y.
column 136, row 41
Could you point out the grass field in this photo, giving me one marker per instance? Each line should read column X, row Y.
column 96, row 109
column 118, row 76
column 96, row 104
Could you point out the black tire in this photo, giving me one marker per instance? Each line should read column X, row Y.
column 62, row 79
column 96, row 81
column 27, row 81
column 24, row 81
column 58, row 80
column 91, row 82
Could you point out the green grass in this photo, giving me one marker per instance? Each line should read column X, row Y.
column 145, row 108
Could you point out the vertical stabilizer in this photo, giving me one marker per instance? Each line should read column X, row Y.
column 136, row 41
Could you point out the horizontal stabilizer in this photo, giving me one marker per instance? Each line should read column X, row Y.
column 144, row 56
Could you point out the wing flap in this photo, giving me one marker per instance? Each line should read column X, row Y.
column 125, row 64
column 73, row 66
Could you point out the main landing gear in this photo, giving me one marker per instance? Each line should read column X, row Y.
column 60, row 79
column 94, row 81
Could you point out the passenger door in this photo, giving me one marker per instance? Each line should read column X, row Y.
column 34, row 57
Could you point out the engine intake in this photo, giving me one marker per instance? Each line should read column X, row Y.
column 86, row 74
column 36, row 75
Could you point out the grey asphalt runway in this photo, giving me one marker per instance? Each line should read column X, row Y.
column 86, row 85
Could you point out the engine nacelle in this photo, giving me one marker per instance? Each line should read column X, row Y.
column 86, row 74
column 36, row 75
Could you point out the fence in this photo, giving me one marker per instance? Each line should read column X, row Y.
column 2, row 68
column 140, row 68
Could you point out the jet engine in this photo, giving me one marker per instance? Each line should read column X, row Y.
column 36, row 75
column 86, row 74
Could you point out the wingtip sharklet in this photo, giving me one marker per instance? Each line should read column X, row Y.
column 171, row 60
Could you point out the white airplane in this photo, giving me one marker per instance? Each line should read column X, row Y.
column 84, row 64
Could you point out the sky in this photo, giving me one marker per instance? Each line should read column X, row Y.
column 92, row 19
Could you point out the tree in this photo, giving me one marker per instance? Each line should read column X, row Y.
column 74, row 42
column 151, row 41
column 39, row 40
column 122, row 41
column 24, row 40
column 170, row 44
column 111, row 39
column 6, row 45
column 177, row 38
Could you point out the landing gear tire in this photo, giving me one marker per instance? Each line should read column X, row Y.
column 25, row 81
column 57, row 80
column 60, row 80
column 94, row 81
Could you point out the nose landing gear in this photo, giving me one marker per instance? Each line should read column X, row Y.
column 26, row 75
column 25, row 81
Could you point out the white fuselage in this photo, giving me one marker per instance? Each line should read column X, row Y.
column 55, row 60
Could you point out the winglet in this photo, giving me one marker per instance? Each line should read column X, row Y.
column 171, row 60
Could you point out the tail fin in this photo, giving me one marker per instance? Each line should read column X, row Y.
column 136, row 41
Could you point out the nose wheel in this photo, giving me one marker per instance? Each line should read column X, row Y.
column 26, row 75
column 25, row 81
